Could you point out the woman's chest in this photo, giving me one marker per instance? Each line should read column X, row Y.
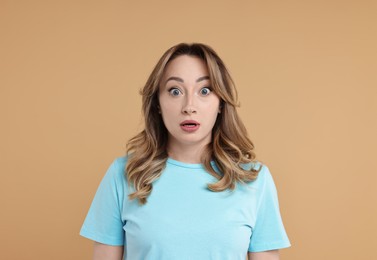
column 182, row 213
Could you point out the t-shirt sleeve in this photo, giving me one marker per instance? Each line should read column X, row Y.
column 268, row 232
column 103, row 222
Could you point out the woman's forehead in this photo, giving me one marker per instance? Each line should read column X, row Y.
column 186, row 66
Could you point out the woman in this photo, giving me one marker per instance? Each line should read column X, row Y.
column 189, row 187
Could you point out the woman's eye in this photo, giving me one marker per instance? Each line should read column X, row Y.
column 174, row 92
column 205, row 91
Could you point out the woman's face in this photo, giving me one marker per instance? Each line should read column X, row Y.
column 188, row 106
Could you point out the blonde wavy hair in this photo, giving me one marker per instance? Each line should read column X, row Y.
column 229, row 148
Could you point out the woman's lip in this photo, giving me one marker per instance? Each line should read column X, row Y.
column 190, row 127
column 192, row 122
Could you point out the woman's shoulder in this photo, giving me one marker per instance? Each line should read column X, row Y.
column 121, row 161
column 116, row 170
column 263, row 174
column 256, row 166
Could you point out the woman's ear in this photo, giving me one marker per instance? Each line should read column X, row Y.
column 221, row 106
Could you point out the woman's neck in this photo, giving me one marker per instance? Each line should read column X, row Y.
column 185, row 153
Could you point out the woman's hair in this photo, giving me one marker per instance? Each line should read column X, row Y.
column 229, row 148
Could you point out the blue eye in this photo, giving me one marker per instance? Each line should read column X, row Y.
column 205, row 91
column 174, row 91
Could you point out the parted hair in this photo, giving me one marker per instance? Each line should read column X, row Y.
column 230, row 147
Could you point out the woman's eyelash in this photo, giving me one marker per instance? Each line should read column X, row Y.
column 178, row 91
column 170, row 90
column 207, row 89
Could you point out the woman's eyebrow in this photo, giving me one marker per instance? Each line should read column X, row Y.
column 181, row 80
column 174, row 78
column 202, row 78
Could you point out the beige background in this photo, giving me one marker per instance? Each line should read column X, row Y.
column 306, row 74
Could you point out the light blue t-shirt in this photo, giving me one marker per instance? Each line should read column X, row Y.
column 183, row 219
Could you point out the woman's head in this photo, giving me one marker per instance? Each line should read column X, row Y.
column 219, row 81
column 188, row 106
column 225, row 136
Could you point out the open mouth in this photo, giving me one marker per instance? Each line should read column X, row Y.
column 189, row 125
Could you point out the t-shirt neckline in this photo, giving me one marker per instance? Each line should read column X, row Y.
column 187, row 165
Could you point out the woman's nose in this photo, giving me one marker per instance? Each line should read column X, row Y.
column 189, row 110
column 189, row 106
